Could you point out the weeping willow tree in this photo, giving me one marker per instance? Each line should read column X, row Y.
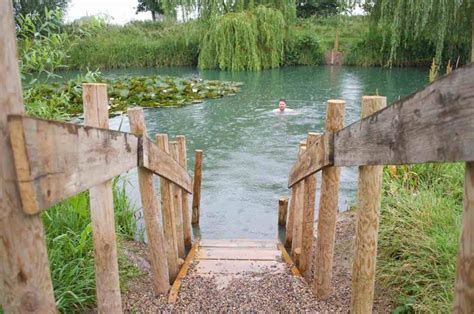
column 208, row 9
column 443, row 24
column 247, row 40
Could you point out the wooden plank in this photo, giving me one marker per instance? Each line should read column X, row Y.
column 183, row 160
column 96, row 114
column 369, row 195
column 162, row 164
column 152, row 213
column 237, row 253
column 435, row 124
column 287, row 259
column 177, row 203
column 169, row 224
column 238, row 266
column 317, row 156
column 196, row 205
column 25, row 281
column 239, row 243
column 173, row 296
column 327, row 215
column 55, row 160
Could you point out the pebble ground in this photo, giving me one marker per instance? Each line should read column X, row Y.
column 251, row 292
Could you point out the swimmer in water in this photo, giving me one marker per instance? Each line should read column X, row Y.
column 282, row 107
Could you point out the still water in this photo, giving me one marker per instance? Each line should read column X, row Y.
column 248, row 150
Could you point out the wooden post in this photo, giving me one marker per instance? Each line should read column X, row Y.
column 197, row 186
column 327, row 215
column 464, row 284
column 151, row 211
column 96, row 114
column 169, row 225
column 289, row 222
column 298, row 213
column 368, row 211
column 25, row 281
column 291, row 215
column 183, row 161
column 282, row 210
column 177, row 206
column 309, row 195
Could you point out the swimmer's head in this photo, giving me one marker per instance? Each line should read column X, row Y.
column 282, row 104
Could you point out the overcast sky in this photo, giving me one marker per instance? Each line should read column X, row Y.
column 120, row 11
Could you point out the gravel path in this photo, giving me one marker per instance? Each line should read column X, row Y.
column 250, row 292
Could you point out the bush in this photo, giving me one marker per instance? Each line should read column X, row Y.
column 302, row 48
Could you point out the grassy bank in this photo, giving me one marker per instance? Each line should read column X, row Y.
column 419, row 235
column 141, row 44
column 70, row 249
column 138, row 44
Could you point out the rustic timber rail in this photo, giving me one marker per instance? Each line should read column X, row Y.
column 44, row 162
column 435, row 124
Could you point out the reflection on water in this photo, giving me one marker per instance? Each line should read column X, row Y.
column 248, row 150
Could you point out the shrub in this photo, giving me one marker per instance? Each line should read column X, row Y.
column 302, row 48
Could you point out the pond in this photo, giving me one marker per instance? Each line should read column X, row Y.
column 248, row 150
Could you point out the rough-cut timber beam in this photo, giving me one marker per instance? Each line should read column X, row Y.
column 435, row 124
column 161, row 163
column 55, row 160
column 316, row 157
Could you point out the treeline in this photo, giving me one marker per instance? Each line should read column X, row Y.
column 242, row 35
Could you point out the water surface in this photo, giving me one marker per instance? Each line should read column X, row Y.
column 248, row 150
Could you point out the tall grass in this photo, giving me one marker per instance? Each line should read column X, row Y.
column 70, row 248
column 138, row 44
column 419, row 235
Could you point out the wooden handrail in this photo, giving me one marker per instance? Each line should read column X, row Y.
column 56, row 160
column 435, row 124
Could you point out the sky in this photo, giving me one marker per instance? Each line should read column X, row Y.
column 120, row 11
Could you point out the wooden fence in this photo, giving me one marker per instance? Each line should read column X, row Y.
column 44, row 162
column 435, row 124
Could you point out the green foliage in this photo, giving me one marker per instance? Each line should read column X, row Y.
column 350, row 29
column 60, row 100
column 270, row 36
column 443, row 24
column 138, row 44
column 249, row 40
column 153, row 6
column 70, row 250
column 307, row 8
column 302, row 47
column 24, row 7
column 419, row 235
column 43, row 47
column 209, row 9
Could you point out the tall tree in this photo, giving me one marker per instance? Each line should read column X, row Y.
column 207, row 9
column 153, row 6
column 25, row 7
column 307, row 8
column 442, row 23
